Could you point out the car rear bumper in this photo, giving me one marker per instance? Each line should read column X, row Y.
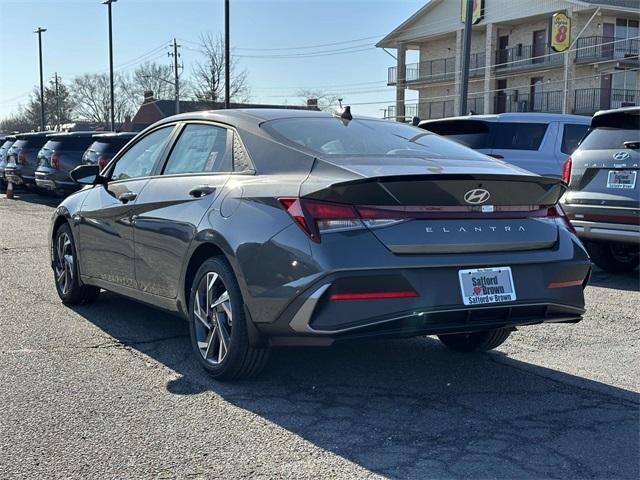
column 601, row 223
column 549, row 292
column 54, row 181
column 610, row 232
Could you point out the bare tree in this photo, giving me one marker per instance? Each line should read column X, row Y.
column 155, row 77
column 327, row 101
column 92, row 98
column 208, row 74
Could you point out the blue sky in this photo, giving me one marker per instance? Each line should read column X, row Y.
column 76, row 42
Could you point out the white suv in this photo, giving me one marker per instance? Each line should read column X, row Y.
column 538, row 142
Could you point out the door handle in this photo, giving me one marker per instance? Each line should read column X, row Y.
column 202, row 190
column 127, row 197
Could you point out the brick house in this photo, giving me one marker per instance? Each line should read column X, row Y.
column 512, row 67
column 153, row 110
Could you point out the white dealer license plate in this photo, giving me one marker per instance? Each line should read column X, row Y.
column 483, row 286
column 621, row 179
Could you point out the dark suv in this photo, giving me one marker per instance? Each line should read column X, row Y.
column 61, row 154
column 5, row 144
column 22, row 158
column 603, row 198
column 104, row 147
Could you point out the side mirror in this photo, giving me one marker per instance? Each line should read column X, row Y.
column 86, row 175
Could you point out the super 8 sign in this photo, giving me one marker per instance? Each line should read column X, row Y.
column 560, row 32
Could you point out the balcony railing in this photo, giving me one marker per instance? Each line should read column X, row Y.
column 438, row 70
column 589, row 49
column 590, row 100
column 526, row 57
column 514, row 101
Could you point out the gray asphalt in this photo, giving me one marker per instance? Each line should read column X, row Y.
column 111, row 391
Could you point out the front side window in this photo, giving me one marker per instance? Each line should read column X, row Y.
column 140, row 159
column 335, row 137
column 571, row 136
column 200, row 148
column 518, row 136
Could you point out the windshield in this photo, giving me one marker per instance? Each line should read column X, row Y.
column 334, row 136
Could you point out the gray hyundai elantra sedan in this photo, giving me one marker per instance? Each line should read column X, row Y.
column 279, row 227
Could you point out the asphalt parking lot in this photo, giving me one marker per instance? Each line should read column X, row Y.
column 111, row 391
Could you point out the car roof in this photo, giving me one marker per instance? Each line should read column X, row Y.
column 9, row 138
column 28, row 135
column 533, row 117
column 108, row 135
column 631, row 110
column 63, row 135
column 619, row 117
column 252, row 114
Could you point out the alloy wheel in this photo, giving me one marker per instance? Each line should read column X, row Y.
column 64, row 263
column 213, row 318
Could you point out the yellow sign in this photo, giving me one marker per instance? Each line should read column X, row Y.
column 560, row 32
column 478, row 11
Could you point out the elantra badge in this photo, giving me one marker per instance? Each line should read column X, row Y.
column 621, row 156
column 476, row 196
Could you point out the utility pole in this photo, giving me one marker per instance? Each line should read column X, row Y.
column 227, row 75
column 113, row 117
column 39, row 32
column 176, row 81
column 57, row 104
column 466, row 57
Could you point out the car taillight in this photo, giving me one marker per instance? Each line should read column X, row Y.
column 557, row 213
column 55, row 160
column 316, row 217
column 566, row 170
column 22, row 158
column 102, row 161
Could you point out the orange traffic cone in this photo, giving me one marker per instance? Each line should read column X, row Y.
column 10, row 190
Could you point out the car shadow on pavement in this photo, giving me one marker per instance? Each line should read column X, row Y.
column 409, row 408
column 27, row 196
column 619, row 281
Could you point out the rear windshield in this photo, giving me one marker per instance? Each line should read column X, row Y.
column 69, row 143
column 31, row 142
column 19, row 144
column 518, row 136
column 6, row 144
column 608, row 138
column 359, row 137
column 109, row 146
column 472, row 133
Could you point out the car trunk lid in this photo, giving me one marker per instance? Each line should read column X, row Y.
column 438, row 207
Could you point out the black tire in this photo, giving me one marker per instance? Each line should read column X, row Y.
column 240, row 359
column 65, row 273
column 614, row 257
column 475, row 341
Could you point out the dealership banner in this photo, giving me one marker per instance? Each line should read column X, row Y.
column 478, row 10
column 560, row 32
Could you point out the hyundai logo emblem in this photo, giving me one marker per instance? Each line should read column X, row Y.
column 476, row 196
column 621, row 156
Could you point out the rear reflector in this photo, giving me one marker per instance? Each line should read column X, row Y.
column 572, row 283
column 373, row 295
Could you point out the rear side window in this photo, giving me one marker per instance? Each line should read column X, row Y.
column 471, row 133
column 200, row 148
column 519, row 136
column 35, row 142
column 571, row 136
column 608, row 138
